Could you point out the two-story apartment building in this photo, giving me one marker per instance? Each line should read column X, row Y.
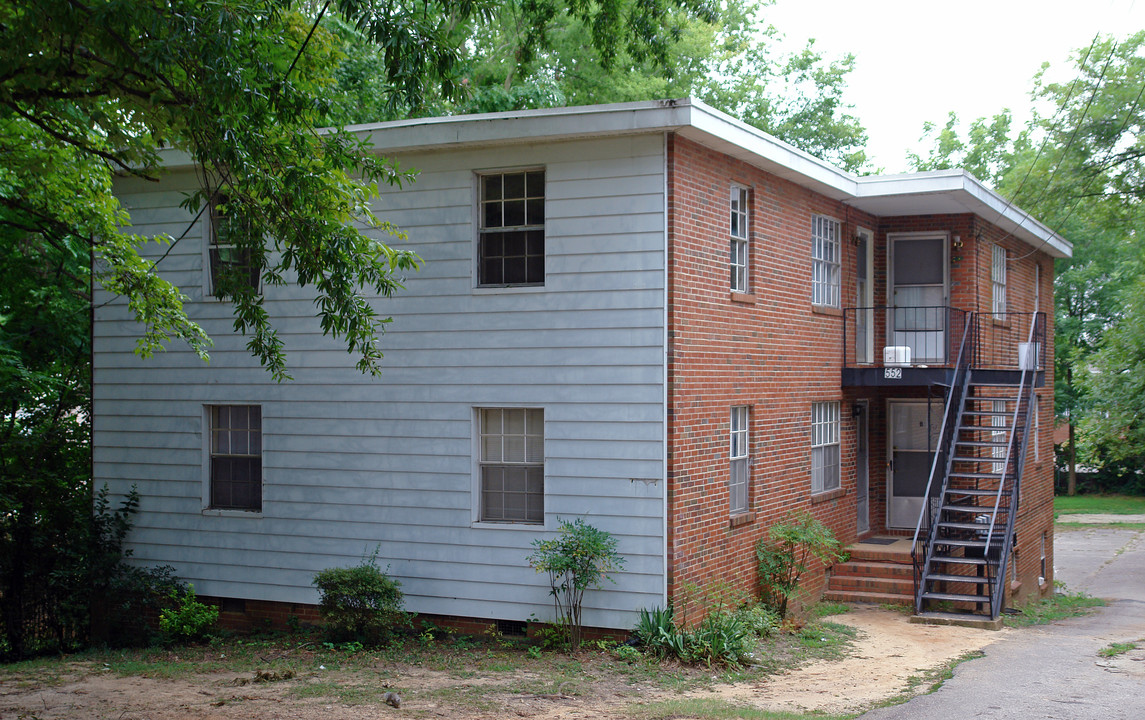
column 647, row 315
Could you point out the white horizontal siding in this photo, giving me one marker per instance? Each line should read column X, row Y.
column 353, row 462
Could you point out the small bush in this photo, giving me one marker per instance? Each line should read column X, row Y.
column 759, row 620
column 189, row 620
column 360, row 603
column 721, row 637
column 783, row 556
column 576, row 560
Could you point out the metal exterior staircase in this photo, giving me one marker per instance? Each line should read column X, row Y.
column 965, row 532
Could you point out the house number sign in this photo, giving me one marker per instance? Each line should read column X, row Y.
column 892, row 373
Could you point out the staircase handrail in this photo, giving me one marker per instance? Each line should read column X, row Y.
column 959, row 379
column 1025, row 386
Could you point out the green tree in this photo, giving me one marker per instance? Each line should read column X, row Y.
column 1079, row 166
column 728, row 60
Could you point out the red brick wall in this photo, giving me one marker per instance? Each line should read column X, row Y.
column 774, row 352
column 771, row 351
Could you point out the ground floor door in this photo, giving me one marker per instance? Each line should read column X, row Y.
column 913, row 429
column 862, row 469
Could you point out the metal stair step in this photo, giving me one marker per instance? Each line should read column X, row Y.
column 956, row 578
column 987, row 413
column 955, row 597
column 965, row 525
column 969, row 458
column 957, row 542
column 978, row 475
column 956, row 560
column 976, row 491
column 953, row 507
column 981, row 443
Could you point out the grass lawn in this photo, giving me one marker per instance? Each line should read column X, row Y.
column 1112, row 504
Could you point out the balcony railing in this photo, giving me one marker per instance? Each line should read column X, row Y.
column 885, row 336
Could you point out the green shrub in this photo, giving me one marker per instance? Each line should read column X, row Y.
column 759, row 620
column 783, row 556
column 360, row 603
column 189, row 620
column 721, row 637
column 576, row 560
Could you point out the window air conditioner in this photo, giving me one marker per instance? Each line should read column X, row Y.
column 896, row 355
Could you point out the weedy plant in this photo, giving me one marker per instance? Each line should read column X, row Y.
column 784, row 554
column 189, row 620
column 579, row 558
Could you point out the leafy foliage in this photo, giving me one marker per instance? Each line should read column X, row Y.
column 360, row 603
column 722, row 637
column 579, row 558
column 189, row 620
column 784, row 555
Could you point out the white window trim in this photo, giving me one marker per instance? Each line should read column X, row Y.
column 207, row 222
column 826, row 272
column 207, row 510
column 825, row 434
column 477, row 219
column 475, row 454
column 998, row 282
column 739, row 208
column 739, row 434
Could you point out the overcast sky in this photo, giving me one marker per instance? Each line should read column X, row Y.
column 916, row 60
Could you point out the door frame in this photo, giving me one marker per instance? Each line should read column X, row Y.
column 890, row 289
column 866, row 299
column 890, row 451
column 862, row 465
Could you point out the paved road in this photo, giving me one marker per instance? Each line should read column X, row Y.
column 1054, row 671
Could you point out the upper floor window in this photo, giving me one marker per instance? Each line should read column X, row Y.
column 998, row 280
column 825, row 261
column 738, row 481
column 739, row 229
column 231, row 268
column 511, row 240
column 824, row 446
column 512, row 464
column 235, row 457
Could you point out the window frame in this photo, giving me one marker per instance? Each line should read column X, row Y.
column 826, row 447
column 998, row 300
column 213, row 249
column 826, row 261
column 481, row 462
column 210, row 424
column 739, row 460
column 739, row 236
column 483, row 231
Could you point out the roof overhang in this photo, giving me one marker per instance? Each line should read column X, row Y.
column 932, row 193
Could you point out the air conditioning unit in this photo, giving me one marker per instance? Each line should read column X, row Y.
column 1028, row 356
column 896, row 355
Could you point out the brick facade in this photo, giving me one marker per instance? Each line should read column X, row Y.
column 773, row 351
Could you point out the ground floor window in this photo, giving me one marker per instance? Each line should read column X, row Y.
column 235, row 457
column 512, row 464
column 740, row 461
column 824, row 446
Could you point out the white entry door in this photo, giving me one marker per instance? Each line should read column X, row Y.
column 913, row 434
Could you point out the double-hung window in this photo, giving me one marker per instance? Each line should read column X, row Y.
column 235, row 457
column 824, row 446
column 231, row 268
column 511, row 239
column 512, row 464
column 739, row 479
column 825, row 261
column 998, row 281
column 738, row 232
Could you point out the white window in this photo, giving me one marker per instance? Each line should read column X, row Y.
column 998, row 433
column 824, row 261
column 739, row 228
column 739, row 478
column 512, row 464
column 824, row 446
column 1037, row 429
column 511, row 239
column 230, row 266
column 998, row 279
column 235, row 453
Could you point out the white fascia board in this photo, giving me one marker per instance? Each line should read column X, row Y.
column 954, row 191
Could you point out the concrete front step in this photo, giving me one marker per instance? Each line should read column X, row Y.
column 893, row 586
column 872, row 568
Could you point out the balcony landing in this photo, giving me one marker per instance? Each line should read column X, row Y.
column 921, row 375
